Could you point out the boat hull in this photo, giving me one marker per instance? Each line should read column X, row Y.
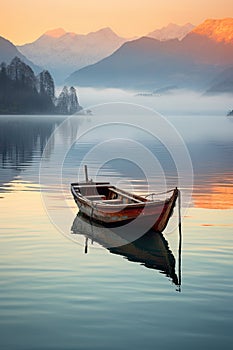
column 151, row 214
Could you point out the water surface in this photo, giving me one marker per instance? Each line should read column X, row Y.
column 54, row 296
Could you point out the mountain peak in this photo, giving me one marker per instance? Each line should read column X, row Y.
column 220, row 30
column 171, row 31
column 55, row 33
column 105, row 32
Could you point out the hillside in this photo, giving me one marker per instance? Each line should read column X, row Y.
column 148, row 63
column 8, row 51
column 223, row 83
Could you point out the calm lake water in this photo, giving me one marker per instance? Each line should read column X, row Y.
column 53, row 295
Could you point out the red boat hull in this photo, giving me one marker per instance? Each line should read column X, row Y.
column 153, row 214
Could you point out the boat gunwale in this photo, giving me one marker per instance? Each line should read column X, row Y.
column 98, row 204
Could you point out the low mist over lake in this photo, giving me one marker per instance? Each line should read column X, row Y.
column 178, row 102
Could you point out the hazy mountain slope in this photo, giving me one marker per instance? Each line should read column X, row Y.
column 145, row 63
column 8, row 51
column 223, row 83
column 202, row 49
column 62, row 52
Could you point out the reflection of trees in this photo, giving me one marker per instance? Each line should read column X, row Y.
column 21, row 138
column 69, row 130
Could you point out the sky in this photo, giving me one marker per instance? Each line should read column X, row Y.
column 23, row 21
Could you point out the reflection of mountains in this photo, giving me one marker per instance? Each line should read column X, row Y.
column 151, row 250
column 21, row 138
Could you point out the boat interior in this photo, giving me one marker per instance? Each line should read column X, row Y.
column 106, row 194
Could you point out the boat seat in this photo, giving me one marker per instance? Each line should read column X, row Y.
column 126, row 196
column 111, row 201
column 96, row 197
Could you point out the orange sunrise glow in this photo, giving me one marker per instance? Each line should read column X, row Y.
column 219, row 197
column 24, row 21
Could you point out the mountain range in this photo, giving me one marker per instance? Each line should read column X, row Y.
column 146, row 63
column 183, row 56
column 62, row 52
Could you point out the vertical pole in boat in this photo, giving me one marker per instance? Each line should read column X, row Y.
column 86, row 174
column 86, row 245
column 180, row 238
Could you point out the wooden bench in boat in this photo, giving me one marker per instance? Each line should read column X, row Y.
column 125, row 195
column 103, row 200
column 96, row 197
column 111, row 201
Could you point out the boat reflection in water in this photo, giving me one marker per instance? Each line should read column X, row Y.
column 151, row 250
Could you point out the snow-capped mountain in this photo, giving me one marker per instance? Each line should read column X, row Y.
column 62, row 52
column 171, row 31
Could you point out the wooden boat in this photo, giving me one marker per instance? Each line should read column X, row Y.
column 111, row 206
column 151, row 250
